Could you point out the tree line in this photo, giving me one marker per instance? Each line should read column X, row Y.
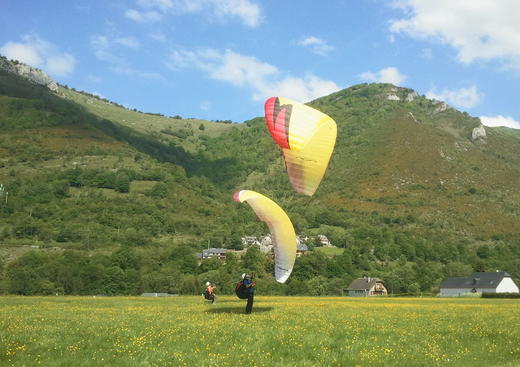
column 131, row 270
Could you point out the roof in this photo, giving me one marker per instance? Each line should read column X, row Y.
column 476, row 280
column 214, row 251
column 302, row 247
column 363, row 284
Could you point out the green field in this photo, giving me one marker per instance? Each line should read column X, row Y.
column 282, row 331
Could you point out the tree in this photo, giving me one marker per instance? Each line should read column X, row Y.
column 114, row 281
column 159, row 190
column 484, row 252
column 234, row 242
column 122, row 183
column 428, row 275
column 296, row 287
column 254, row 260
column 126, row 258
column 309, row 265
column 340, row 265
column 210, row 264
column 413, row 288
column 457, row 269
column 183, row 258
column 317, row 286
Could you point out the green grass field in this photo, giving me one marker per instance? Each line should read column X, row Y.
column 282, row 331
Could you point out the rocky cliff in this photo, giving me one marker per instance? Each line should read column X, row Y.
column 34, row 75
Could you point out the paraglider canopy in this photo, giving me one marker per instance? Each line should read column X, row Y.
column 282, row 230
column 306, row 137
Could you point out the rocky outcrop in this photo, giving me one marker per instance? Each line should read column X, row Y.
column 478, row 133
column 411, row 96
column 440, row 106
column 412, row 116
column 34, row 75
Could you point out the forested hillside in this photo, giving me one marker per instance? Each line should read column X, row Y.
column 100, row 199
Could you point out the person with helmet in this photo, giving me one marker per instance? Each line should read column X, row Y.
column 209, row 293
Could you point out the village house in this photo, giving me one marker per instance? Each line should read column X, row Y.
column 367, row 286
column 301, row 249
column 266, row 246
column 213, row 253
column 323, row 240
column 478, row 283
column 250, row 241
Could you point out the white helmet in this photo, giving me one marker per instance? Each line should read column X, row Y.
column 244, row 275
column 208, row 283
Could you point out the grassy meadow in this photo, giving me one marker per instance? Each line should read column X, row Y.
column 282, row 331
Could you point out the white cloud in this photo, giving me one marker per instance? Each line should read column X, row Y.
column 240, row 70
column 500, row 121
column 143, row 16
column 246, row 10
column 426, row 53
column 160, row 4
column 317, row 45
column 102, row 46
column 158, row 36
column 387, row 75
column 104, row 50
column 463, row 97
column 94, row 78
column 38, row 53
column 303, row 89
column 132, row 72
column 98, row 94
column 60, row 65
column 261, row 78
column 24, row 53
column 477, row 29
column 205, row 105
column 154, row 10
column 128, row 42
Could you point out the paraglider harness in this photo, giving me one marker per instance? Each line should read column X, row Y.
column 241, row 290
column 207, row 295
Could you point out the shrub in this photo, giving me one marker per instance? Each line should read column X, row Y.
column 500, row 295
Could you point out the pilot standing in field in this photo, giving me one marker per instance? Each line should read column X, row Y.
column 250, row 292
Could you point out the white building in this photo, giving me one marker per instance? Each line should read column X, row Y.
column 213, row 253
column 478, row 283
column 250, row 241
column 364, row 287
column 323, row 240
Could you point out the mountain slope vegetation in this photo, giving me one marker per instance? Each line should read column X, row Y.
column 409, row 194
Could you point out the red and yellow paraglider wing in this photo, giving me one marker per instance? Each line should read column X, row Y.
column 307, row 166
column 282, row 230
column 306, row 136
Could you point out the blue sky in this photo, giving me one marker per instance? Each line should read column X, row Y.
column 220, row 59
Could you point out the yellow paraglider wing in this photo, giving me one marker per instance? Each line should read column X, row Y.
column 282, row 230
column 307, row 138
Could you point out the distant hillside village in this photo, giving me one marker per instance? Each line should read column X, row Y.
column 265, row 244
